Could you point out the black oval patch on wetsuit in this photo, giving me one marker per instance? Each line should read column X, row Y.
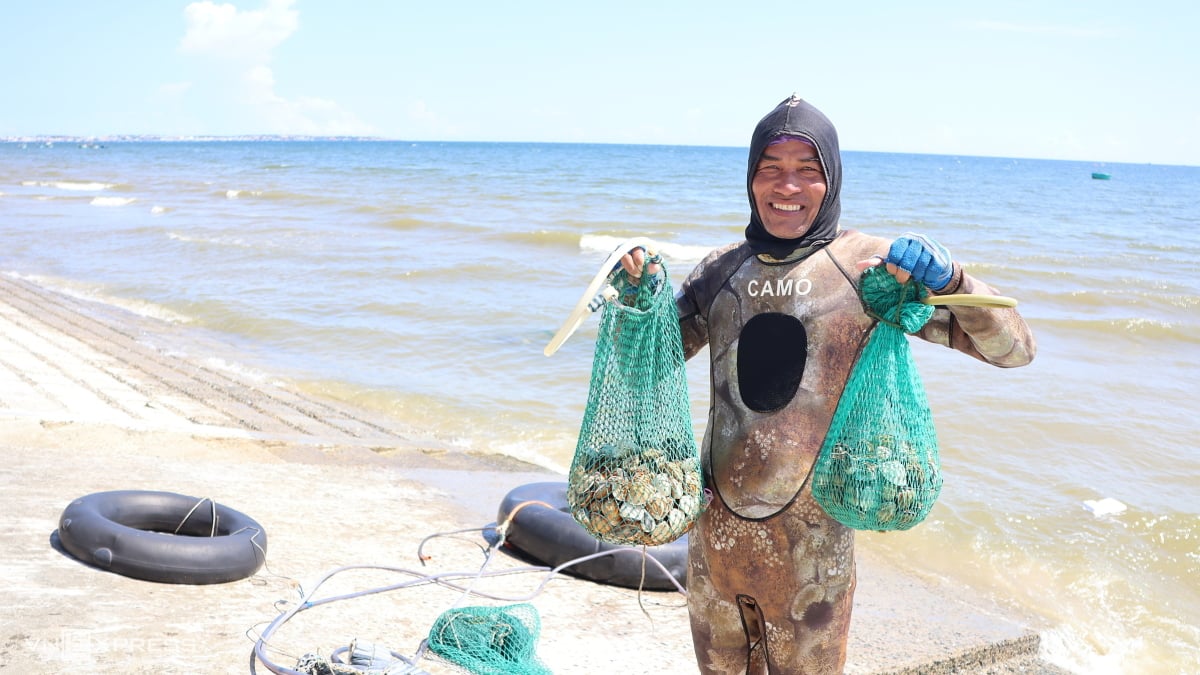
column 772, row 350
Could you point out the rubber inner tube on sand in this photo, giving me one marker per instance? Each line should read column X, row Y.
column 163, row 536
column 552, row 537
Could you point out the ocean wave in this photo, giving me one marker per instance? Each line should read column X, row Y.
column 541, row 237
column 402, row 223
column 236, row 194
column 113, row 201
column 606, row 244
column 1130, row 326
column 236, row 242
column 97, row 293
column 305, row 198
column 75, row 186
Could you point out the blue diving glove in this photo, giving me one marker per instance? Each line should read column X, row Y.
column 926, row 260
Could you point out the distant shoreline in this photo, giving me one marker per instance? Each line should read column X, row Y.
column 93, row 142
column 152, row 138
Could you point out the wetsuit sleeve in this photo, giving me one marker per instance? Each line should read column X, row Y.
column 996, row 336
column 692, row 324
column 700, row 288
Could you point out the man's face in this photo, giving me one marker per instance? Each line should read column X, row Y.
column 788, row 186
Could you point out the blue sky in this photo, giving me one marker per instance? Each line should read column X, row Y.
column 1099, row 81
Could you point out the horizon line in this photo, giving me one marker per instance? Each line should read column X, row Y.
column 232, row 138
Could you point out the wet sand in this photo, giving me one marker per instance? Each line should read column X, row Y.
column 95, row 398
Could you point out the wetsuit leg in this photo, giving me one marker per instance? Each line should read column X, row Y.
column 770, row 596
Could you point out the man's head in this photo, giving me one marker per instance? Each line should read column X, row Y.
column 794, row 179
column 788, row 187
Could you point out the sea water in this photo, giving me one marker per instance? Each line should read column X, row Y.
column 424, row 279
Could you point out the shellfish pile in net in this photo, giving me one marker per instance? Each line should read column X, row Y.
column 633, row 496
column 885, row 485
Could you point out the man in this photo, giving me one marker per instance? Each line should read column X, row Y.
column 771, row 576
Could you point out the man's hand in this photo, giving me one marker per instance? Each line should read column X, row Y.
column 918, row 257
column 635, row 259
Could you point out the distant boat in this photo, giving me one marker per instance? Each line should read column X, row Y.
column 1100, row 176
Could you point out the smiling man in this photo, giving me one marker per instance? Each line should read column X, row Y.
column 771, row 575
column 789, row 187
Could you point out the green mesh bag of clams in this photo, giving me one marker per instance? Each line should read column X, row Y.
column 635, row 476
column 878, row 468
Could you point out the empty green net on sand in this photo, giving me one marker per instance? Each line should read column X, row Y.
column 879, row 468
column 635, row 476
column 490, row 640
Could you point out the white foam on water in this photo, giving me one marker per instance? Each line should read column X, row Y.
column 82, row 187
column 1066, row 648
column 76, row 186
column 113, row 201
column 1104, row 507
column 236, row 194
column 673, row 253
column 158, row 210
column 236, row 368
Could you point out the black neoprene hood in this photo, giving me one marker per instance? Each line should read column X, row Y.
column 796, row 117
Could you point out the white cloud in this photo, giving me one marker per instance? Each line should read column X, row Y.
column 238, row 45
column 225, row 32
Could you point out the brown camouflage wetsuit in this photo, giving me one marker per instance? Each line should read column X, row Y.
column 771, row 578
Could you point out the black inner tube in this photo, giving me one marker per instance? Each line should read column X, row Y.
column 163, row 536
column 551, row 537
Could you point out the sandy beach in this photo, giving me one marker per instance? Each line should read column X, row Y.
column 95, row 398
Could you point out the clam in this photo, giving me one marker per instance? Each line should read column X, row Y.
column 893, row 472
column 640, row 491
column 630, row 533
column 598, row 524
column 649, row 522
column 618, row 487
column 659, row 507
column 661, row 534
column 674, row 471
column 888, row 492
column 610, row 511
column 602, row 487
column 676, row 519
column 886, row 513
column 662, row 484
column 916, row 473
column 631, row 512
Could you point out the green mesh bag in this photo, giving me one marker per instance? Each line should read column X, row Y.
column 635, row 477
column 878, row 468
column 490, row 640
